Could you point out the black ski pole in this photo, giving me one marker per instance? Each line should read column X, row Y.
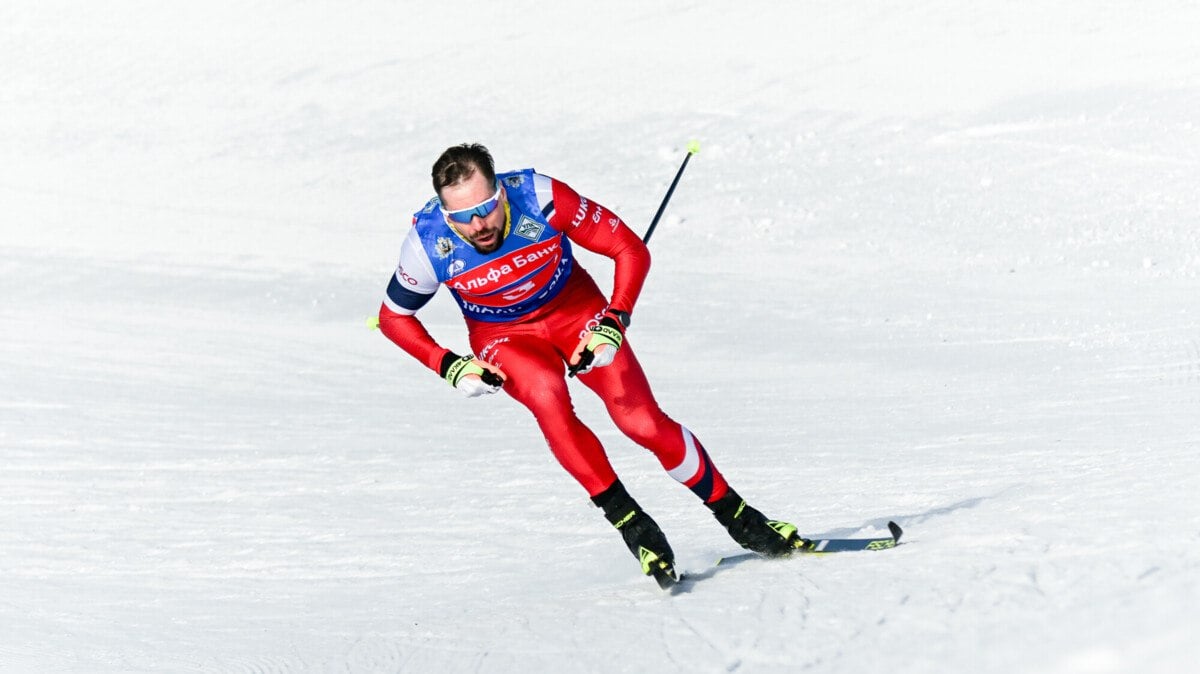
column 692, row 148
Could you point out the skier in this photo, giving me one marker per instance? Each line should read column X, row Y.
column 502, row 245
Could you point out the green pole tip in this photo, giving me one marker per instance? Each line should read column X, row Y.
column 373, row 322
column 693, row 147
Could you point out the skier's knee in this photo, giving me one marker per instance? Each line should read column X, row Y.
column 643, row 425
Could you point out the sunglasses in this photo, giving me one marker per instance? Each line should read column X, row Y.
column 482, row 209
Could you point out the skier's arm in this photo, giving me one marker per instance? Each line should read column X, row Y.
column 412, row 285
column 410, row 334
column 599, row 230
column 410, row 288
column 466, row 373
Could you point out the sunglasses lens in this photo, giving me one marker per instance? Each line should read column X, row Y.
column 482, row 210
column 486, row 209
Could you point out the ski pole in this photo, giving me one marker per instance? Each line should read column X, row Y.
column 692, row 148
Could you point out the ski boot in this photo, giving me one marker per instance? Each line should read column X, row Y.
column 640, row 533
column 753, row 531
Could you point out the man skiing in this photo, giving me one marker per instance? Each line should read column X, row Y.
column 502, row 244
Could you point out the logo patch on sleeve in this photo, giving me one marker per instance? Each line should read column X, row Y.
column 528, row 228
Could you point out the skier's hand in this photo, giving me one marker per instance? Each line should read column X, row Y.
column 600, row 343
column 470, row 375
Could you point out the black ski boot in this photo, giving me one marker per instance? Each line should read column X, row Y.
column 753, row 531
column 640, row 533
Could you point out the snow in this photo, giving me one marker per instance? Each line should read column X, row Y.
column 936, row 262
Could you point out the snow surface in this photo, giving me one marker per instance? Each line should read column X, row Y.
column 936, row 262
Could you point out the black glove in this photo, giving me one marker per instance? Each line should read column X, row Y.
column 470, row 375
column 600, row 343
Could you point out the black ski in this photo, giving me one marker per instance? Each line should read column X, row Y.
column 824, row 546
column 668, row 578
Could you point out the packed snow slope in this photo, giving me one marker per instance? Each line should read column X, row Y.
column 936, row 262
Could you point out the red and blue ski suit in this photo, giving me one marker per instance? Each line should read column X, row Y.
column 528, row 304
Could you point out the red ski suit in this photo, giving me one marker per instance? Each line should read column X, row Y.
column 533, row 351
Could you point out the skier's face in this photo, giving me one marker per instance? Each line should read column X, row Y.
column 484, row 232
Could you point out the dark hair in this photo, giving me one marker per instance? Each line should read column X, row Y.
column 460, row 162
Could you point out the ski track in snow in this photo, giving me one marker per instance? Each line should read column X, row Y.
column 905, row 279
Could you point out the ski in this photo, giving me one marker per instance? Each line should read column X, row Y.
column 668, row 578
column 824, row 546
column 852, row 544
